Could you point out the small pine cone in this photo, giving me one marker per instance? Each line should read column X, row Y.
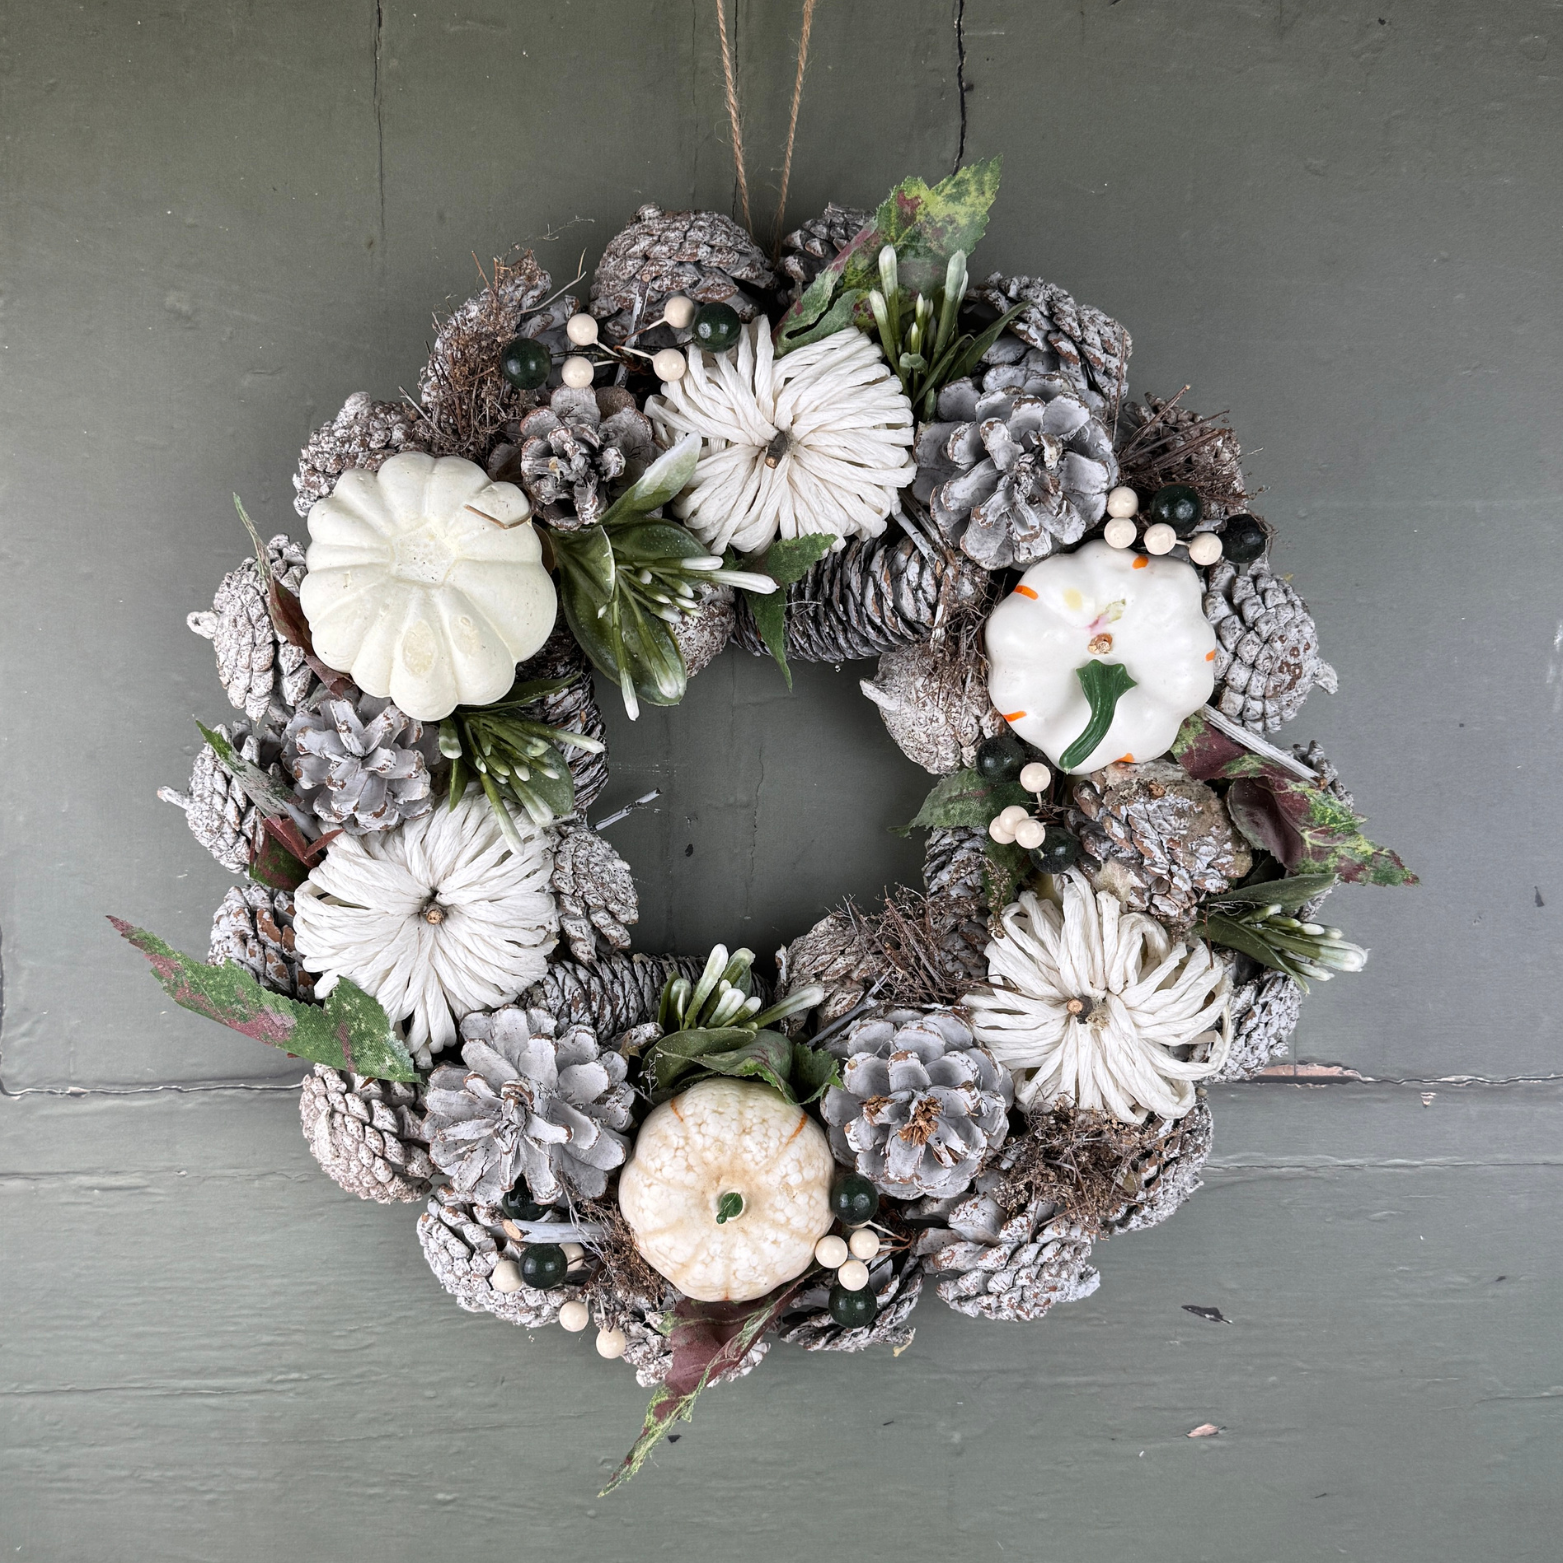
column 366, row 1134
column 955, row 863
column 1267, row 656
column 934, row 702
column 1164, row 442
column 1086, row 349
column 595, row 890
column 702, row 636
column 1161, row 1178
column 703, row 255
column 808, row 250
column 464, row 1243
column 612, row 996
column 1033, row 1261
column 1155, row 837
column 1313, row 756
column 839, row 954
column 220, row 817
column 1264, row 1016
column 647, row 1323
column 365, row 434
column 874, row 594
column 361, row 766
column 573, row 709
column 253, row 928
column 897, row 1283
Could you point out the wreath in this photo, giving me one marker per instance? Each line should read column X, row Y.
column 855, row 451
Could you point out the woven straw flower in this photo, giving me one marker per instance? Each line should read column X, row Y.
column 436, row 919
column 817, row 441
column 1095, row 1004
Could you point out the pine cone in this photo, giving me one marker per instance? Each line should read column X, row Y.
column 464, row 1244
column 616, row 994
column 529, row 1106
column 1087, row 350
column 366, row 1134
column 575, row 455
column 703, row 255
column 876, row 593
column 1164, row 442
column 1264, row 1016
column 1166, row 1175
column 933, row 700
column 808, row 250
column 262, row 673
column 1267, row 657
column 1156, row 838
column 361, row 768
column 253, row 928
column 897, row 1282
column 595, row 891
column 1313, row 756
column 703, row 636
column 365, row 434
column 920, row 1104
column 572, row 709
column 955, row 862
column 220, row 817
column 1017, row 465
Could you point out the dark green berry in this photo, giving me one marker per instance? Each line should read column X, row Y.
column 519, row 1205
column 525, row 364
column 853, row 1310
column 717, row 327
column 1059, row 851
column 1178, row 505
column 1242, row 539
column 854, row 1200
column 543, row 1266
column 1000, row 758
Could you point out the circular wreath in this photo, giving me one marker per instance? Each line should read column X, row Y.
column 854, row 452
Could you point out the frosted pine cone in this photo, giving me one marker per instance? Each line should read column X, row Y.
column 934, row 702
column 253, row 928
column 839, row 954
column 809, row 249
column 595, row 891
column 1164, row 442
column 1155, row 837
column 262, row 673
column 920, row 1103
column 955, row 863
column 1165, row 1175
column 220, row 817
column 1267, row 657
column 362, row 767
column 1086, row 350
column 896, row 1281
column 573, row 709
column 1264, row 1016
column 702, row 636
column 366, row 1135
column 616, row 994
column 365, row 434
column 703, row 255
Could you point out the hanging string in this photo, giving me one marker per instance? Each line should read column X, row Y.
column 792, row 122
column 732, row 112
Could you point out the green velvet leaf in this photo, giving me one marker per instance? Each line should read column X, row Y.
column 1234, row 935
column 965, row 798
column 1288, row 894
column 1104, row 683
column 1009, row 865
column 668, row 475
column 789, row 559
column 814, row 1071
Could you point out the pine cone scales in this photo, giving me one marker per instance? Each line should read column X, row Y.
column 220, row 817
column 955, row 861
column 1165, row 1175
column 1034, row 1262
column 612, row 996
column 363, row 767
column 572, row 709
column 1264, row 1016
column 1267, row 656
column 366, row 1135
column 595, row 892
column 809, row 249
column 253, row 928
column 1085, row 348
column 934, row 703
column 896, row 1281
column 365, row 434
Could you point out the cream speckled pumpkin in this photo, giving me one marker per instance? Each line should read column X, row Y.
column 718, row 1139
column 426, row 583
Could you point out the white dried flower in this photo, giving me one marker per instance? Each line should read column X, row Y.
column 436, row 919
column 817, row 441
column 1094, row 1003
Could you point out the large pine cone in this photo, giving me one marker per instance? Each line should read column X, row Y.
column 809, row 249
column 1267, row 656
column 220, row 817
column 366, row 1135
column 1264, row 1016
column 361, row 767
column 933, row 700
column 365, row 434
column 573, row 709
column 703, row 255
column 595, row 891
column 612, row 996
column 253, row 928
column 897, row 1282
column 955, row 862
column 1162, row 1177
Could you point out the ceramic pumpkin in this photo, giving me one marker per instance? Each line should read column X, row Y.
column 728, row 1190
column 1140, row 615
column 426, row 583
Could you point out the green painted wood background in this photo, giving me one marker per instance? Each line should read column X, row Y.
column 1340, row 220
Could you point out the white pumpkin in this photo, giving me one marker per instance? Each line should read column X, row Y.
column 426, row 583
column 728, row 1190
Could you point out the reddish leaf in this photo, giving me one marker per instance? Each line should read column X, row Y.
column 288, row 616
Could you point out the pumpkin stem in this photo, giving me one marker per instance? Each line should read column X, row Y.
column 729, row 1206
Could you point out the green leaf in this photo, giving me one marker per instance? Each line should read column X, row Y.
column 1234, row 935
column 668, row 475
column 350, row 1031
column 1104, row 683
column 965, row 798
column 265, row 792
column 814, row 1071
column 838, row 317
column 770, row 619
column 1289, row 894
column 965, row 359
column 1008, row 866
column 586, row 556
column 644, row 542
column 671, row 1058
column 789, row 559
column 276, row 867
column 766, row 1056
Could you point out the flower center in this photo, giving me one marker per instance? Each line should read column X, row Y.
column 433, row 914
column 781, row 443
column 423, row 555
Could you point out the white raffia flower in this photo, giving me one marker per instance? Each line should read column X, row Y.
column 1091, row 1002
column 817, row 441
column 436, row 919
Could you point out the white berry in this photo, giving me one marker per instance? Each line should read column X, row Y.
column 1013, row 815
column 506, row 1276
column 574, row 1316
column 1029, row 833
column 576, row 373
column 581, row 329
column 678, row 312
column 669, row 364
column 1122, row 501
column 1000, row 830
column 1160, row 539
column 853, row 1275
column 572, row 1251
column 864, row 1243
column 612, row 1343
column 1119, row 534
column 1035, row 777
column 1205, row 549
column 831, row 1251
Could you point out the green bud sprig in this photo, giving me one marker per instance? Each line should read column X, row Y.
column 1258, row 920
